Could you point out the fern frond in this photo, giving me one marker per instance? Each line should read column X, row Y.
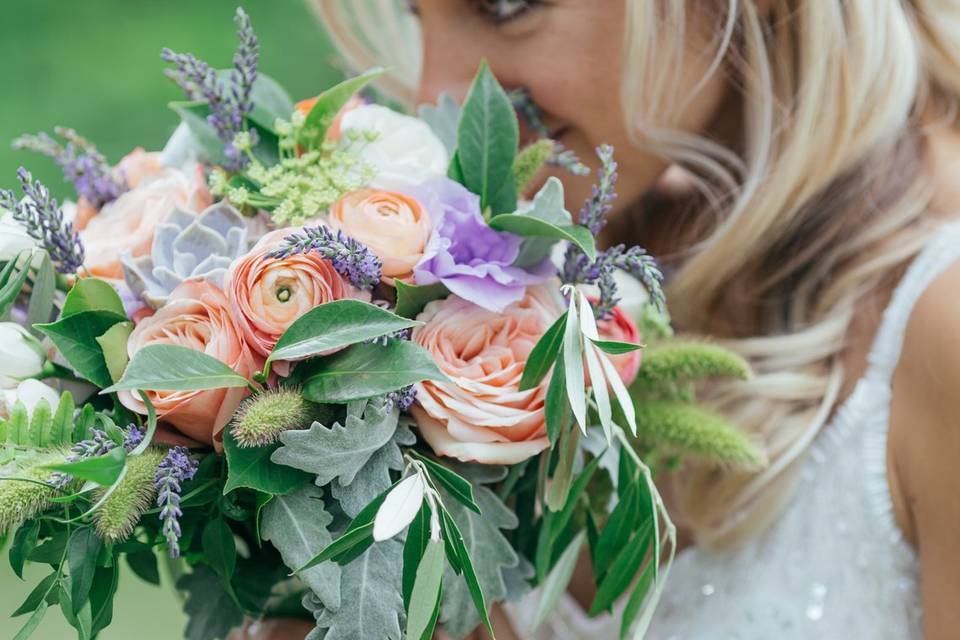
column 687, row 430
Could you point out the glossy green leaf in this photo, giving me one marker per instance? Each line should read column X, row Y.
column 622, row 571
column 24, row 542
column 637, row 598
column 36, row 596
column 458, row 486
column 418, row 534
column 251, row 468
column 104, row 470
column 168, row 367
column 621, row 525
column 425, row 597
column 487, row 139
column 411, row 299
column 616, row 348
column 368, row 370
column 104, row 588
column 334, row 325
column 530, row 227
column 75, row 336
column 92, row 294
column 543, row 355
column 328, row 104
column 113, row 343
column 82, row 552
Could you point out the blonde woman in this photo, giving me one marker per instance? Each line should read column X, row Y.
column 819, row 160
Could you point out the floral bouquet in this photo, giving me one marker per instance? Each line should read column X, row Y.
column 323, row 361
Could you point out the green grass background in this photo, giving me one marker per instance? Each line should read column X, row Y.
column 94, row 65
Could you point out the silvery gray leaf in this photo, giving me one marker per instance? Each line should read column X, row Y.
column 374, row 477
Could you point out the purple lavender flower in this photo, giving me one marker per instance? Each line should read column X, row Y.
column 176, row 468
column 42, row 217
column 97, row 445
column 351, row 259
column 229, row 103
column 133, row 437
column 84, row 166
column 401, row 399
column 472, row 260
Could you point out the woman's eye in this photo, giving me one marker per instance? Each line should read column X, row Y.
column 502, row 11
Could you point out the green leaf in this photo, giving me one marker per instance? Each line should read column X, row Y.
column 10, row 284
column 530, row 227
column 18, row 425
column 418, row 535
column 558, row 579
column 104, row 470
column 270, row 101
column 426, row 593
column 212, row 612
column 411, row 299
column 368, row 370
column 455, row 171
column 82, row 552
column 468, row 572
column 113, row 343
column 339, row 451
column 615, row 348
column 24, row 542
column 40, row 423
column 144, row 565
column 556, row 404
column 334, row 325
column 37, row 595
column 194, row 115
column 547, row 206
column 373, row 478
column 458, row 486
column 487, row 139
column 622, row 571
column 219, row 548
column 92, row 294
column 168, row 367
column 543, row 355
column 371, row 584
column 61, row 425
column 27, row 630
column 75, row 336
column 620, row 527
column 251, row 467
column 42, row 293
column 559, row 485
column 639, row 595
column 101, row 596
column 573, row 365
column 297, row 525
column 328, row 104
column 442, row 118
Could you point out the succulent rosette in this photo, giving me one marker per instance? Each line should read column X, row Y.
column 307, row 332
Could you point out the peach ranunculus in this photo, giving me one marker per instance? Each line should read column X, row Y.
column 132, row 168
column 129, row 222
column 267, row 294
column 197, row 316
column 481, row 415
column 620, row 327
column 393, row 225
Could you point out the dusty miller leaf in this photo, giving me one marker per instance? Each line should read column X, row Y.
column 341, row 451
column 374, row 477
column 370, row 591
column 296, row 524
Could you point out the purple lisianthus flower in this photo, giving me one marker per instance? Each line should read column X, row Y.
column 472, row 260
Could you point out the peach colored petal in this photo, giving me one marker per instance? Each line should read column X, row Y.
column 443, row 444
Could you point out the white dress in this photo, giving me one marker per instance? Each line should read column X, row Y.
column 834, row 566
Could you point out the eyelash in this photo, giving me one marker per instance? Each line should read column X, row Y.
column 500, row 12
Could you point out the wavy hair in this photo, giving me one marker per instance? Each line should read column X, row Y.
column 821, row 204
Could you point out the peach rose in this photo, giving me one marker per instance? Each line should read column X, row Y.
column 197, row 316
column 129, row 222
column 393, row 225
column 620, row 327
column 267, row 295
column 481, row 414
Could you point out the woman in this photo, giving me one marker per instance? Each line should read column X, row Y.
column 812, row 232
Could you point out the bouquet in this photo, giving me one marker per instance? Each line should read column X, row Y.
column 322, row 360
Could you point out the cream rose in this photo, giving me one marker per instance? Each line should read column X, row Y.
column 481, row 415
column 405, row 147
column 267, row 295
column 129, row 222
column 198, row 317
column 393, row 225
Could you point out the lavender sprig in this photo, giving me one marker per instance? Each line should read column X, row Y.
column 42, row 217
column 176, row 468
column 593, row 215
column 97, row 445
column 81, row 162
column 350, row 258
column 401, row 399
column 228, row 106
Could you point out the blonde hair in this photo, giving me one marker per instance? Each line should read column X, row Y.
column 822, row 202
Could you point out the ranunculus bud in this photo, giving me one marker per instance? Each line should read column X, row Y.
column 21, row 355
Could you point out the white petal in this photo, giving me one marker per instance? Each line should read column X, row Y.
column 31, row 392
column 399, row 508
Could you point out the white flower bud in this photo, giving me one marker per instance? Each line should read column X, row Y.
column 21, row 355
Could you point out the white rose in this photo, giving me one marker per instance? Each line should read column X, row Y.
column 30, row 393
column 21, row 355
column 405, row 146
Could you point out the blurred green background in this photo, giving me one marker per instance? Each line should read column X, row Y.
column 94, row 66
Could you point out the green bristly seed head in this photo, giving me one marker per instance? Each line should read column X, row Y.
column 262, row 418
column 121, row 511
column 530, row 160
column 21, row 500
column 671, row 364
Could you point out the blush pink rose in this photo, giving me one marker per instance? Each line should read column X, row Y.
column 620, row 327
column 129, row 222
column 198, row 317
column 481, row 415
column 267, row 295
column 393, row 225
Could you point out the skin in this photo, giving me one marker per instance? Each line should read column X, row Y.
column 567, row 54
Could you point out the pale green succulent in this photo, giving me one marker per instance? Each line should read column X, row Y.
column 187, row 245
